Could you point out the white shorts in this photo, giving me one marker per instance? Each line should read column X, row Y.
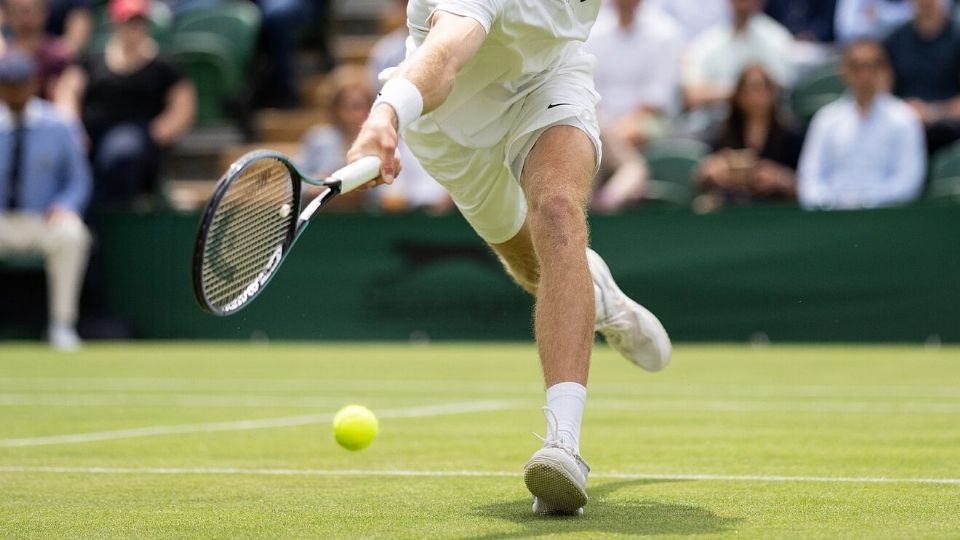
column 484, row 182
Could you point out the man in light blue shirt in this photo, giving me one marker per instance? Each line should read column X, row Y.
column 44, row 186
column 866, row 149
column 870, row 19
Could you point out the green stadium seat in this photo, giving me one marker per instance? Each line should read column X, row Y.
column 815, row 90
column 945, row 174
column 673, row 163
column 207, row 61
column 237, row 22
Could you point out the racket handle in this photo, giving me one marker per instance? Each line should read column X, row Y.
column 358, row 173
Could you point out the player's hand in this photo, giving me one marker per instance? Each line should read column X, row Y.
column 378, row 137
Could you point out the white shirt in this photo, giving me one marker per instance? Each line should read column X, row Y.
column 639, row 66
column 694, row 16
column 718, row 56
column 526, row 41
column 854, row 161
column 857, row 19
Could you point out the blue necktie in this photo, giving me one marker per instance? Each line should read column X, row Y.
column 13, row 197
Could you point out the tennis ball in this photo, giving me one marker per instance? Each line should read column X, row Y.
column 355, row 427
column 285, row 210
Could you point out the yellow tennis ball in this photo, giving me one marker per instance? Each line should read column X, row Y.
column 355, row 427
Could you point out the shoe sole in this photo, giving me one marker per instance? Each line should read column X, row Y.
column 548, row 481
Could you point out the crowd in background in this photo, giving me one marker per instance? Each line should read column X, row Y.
column 725, row 85
column 84, row 122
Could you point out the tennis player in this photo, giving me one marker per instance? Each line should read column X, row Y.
column 496, row 100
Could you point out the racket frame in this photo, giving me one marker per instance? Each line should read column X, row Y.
column 295, row 230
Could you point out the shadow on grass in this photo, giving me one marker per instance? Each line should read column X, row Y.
column 610, row 517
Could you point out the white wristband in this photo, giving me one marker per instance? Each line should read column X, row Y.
column 405, row 99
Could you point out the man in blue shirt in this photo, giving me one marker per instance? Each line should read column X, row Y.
column 44, row 186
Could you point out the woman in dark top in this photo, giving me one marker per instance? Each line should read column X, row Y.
column 133, row 104
column 756, row 153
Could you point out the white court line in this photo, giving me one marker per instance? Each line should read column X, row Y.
column 259, row 423
column 467, row 473
column 413, row 386
column 163, row 400
column 815, row 407
column 639, row 403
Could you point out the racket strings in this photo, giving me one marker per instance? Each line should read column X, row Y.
column 247, row 230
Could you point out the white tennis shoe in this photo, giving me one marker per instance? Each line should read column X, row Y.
column 63, row 338
column 628, row 327
column 556, row 475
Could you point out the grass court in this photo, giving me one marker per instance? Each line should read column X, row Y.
column 233, row 440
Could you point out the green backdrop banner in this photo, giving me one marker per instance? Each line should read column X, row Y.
column 776, row 272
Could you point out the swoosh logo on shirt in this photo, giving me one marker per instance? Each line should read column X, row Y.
column 552, row 105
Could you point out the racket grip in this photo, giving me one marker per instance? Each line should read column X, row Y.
column 358, row 173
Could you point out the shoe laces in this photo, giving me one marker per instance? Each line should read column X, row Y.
column 553, row 440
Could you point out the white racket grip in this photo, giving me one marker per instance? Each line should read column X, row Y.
column 357, row 173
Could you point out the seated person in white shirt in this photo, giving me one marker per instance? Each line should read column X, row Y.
column 866, row 149
column 713, row 61
column 639, row 90
column 863, row 19
column 695, row 16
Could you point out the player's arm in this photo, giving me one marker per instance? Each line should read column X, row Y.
column 419, row 85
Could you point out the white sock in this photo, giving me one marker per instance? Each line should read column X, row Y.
column 567, row 400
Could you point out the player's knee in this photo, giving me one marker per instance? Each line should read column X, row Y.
column 559, row 223
column 558, row 211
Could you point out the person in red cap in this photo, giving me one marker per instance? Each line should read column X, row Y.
column 133, row 102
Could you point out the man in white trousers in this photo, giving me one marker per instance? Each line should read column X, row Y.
column 44, row 185
column 496, row 100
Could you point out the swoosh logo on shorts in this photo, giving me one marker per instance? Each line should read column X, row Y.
column 552, row 105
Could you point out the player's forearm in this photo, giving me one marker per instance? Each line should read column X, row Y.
column 433, row 67
column 432, row 72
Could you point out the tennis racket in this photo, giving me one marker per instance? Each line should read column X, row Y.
column 253, row 220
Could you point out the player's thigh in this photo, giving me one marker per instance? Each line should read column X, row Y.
column 561, row 165
column 479, row 182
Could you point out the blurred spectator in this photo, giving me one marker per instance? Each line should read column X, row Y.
column 715, row 59
column 861, row 19
column 72, row 21
column 866, row 149
column 807, row 20
column 279, row 30
column 391, row 49
column 324, row 149
column 695, row 16
column 25, row 21
column 134, row 104
column 756, row 153
column 44, row 186
column 925, row 55
column 638, row 89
